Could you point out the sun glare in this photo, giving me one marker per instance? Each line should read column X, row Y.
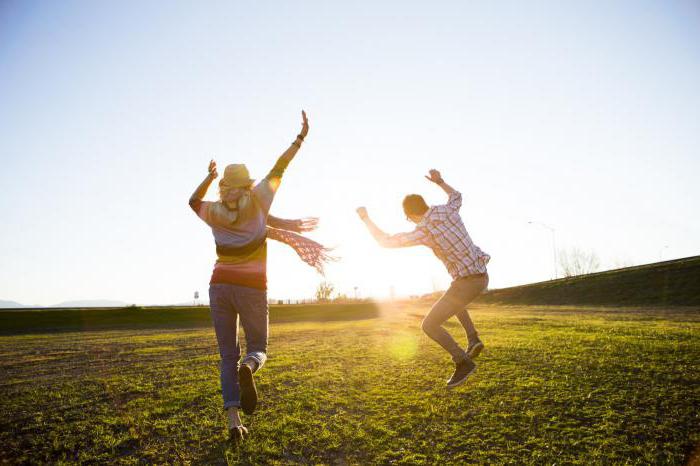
column 403, row 345
column 275, row 183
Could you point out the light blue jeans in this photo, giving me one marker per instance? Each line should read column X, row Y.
column 228, row 303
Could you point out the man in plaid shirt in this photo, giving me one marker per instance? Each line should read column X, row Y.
column 442, row 230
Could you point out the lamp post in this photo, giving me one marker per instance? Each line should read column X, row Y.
column 554, row 243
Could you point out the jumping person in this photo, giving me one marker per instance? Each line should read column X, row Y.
column 441, row 229
column 240, row 223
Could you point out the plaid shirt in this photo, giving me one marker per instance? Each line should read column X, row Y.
column 443, row 231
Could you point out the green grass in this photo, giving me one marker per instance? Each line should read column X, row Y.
column 669, row 283
column 160, row 317
column 556, row 385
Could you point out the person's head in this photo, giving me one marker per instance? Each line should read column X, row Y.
column 235, row 185
column 414, row 207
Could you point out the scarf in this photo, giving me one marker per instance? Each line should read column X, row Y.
column 311, row 252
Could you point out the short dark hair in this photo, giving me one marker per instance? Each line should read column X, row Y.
column 414, row 204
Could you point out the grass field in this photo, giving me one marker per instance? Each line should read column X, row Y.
column 161, row 317
column 556, row 385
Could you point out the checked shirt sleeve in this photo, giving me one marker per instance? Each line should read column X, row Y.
column 403, row 240
column 442, row 212
column 454, row 202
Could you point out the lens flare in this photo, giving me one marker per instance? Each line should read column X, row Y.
column 403, row 346
column 274, row 183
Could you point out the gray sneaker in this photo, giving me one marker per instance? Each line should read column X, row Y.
column 463, row 370
column 474, row 349
column 249, row 394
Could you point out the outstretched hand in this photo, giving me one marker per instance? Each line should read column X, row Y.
column 212, row 169
column 304, row 125
column 304, row 225
column 362, row 212
column 434, row 176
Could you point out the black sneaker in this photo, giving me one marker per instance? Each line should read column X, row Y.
column 463, row 370
column 474, row 349
column 249, row 394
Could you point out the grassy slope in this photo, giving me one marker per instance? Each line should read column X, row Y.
column 674, row 282
column 554, row 387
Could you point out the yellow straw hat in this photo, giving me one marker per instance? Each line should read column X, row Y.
column 236, row 176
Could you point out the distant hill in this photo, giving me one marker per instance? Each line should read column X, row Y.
column 91, row 303
column 6, row 304
column 674, row 283
column 10, row 304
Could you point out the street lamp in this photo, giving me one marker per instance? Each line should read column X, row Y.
column 554, row 243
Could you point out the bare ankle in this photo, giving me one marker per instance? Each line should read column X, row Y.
column 233, row 417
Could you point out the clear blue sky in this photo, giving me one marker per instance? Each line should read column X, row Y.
column 581, row 115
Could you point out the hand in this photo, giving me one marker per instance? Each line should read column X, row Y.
column 306, row 224
column 304, row 125
column 435, row 176
column 362, row 212
column 212, row 169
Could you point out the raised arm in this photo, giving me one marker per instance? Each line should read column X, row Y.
column 454, row 200
column 301, row 225
column 436, row 178
column 289, row 154
column 266, row 189
column 399, row 240
column 203, row 187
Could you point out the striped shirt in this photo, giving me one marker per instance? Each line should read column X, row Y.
column 240, row 236
column 442, row 230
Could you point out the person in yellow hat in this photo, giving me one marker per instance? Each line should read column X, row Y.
column 241, row 225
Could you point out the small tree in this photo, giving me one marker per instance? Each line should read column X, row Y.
column 341, row 298
column 575, row 262
column 324, row 292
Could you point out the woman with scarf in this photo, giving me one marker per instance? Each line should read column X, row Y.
column 241, row 224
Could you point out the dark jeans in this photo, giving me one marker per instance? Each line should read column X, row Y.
column 453, row 303
column 228, row 303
